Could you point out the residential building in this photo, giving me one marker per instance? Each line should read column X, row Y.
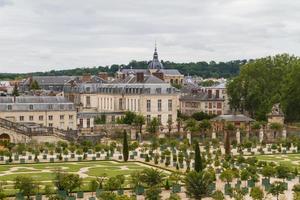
column 49, row 111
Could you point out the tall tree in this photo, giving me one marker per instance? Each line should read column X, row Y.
column 153, row 126
column 125, row 147
column 198, row 160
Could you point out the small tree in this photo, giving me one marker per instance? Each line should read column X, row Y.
column 67, row 182
column 15, row 91
column 227, row 176
column 139, row 121
column 257, row 193
column 153, row 193
column 125, row 147
column 197, row 183
column 218, row 195
column 153, row 126
column 93, row 185
column 198, row 160
column 277, row 188
column 34, row 85
column 268, row 171
column 25, row 185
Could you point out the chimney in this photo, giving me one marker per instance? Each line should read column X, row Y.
column 140, row 77
column 159, row 75
column 86, row 77
column 103, row 75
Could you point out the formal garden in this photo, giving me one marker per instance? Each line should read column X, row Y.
column 189, row 165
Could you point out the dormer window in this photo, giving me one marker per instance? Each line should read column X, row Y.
column 30, row 107
column 9, row 107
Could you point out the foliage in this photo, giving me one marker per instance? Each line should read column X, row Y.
column 264, row 82
column 277, row 188
column 114, row 183
column 34, row 85
column 25, row 185
column 15, row 91
column 152, row 177
column 218, row 195
column 100, row 120
column 257, row 193
column 153, row 126
column 227, row 175
column 67, row 182
column 199, row 116
column 197, row 183
column 153, row 193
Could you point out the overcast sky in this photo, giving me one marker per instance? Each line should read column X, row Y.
column 40, row 35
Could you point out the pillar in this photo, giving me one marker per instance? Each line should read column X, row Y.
column 189, row 137
column 284, row 133
column 238, row 136
column 213, row 135
column 261, row 135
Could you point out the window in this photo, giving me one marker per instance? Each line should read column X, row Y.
column 88, row 123
column 120, row 104
column 30, row 118
column 210, row 105
column 148, row 119
column 158, row 90
column 159, row 105
column 50, row 117
column 50, row 125
column 148, row 105
column 61, row 125
column 21, row 118
column 217, row 94
column 61, row 106
column 80, row 123
column 61, row 117
column 9, row 107
column 159, row 118
column 219, row 105
column 88, row 101
column 170, row 118
column 70, row 117
column 41, row 117
column 50, row 106
column 170, row 105
column 30, row 107
column 113, row 119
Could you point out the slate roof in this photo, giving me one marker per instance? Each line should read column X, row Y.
column 233, row 118
column 50, row 80
column 38, row 103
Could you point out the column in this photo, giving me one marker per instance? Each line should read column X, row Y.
column 261, row 135
column 238, row 136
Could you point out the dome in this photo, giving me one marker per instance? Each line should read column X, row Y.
column 155, row 64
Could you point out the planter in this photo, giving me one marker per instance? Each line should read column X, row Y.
column 72, row 155
column 52, row 160
column 29, row 157
column 66, row 159
column 120, row 192
column 45, row 157
column 38, row 197
column 250, row 183
column 139, row 190
column 93, row 158
column 176, row 188
column 22, row 160
column 80, row 195
column 227, row 189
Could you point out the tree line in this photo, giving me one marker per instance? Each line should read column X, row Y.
column 203, row 69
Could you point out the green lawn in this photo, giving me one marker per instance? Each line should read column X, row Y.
column 45, row 172
column 289, row 160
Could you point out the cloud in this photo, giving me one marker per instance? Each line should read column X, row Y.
column 44, row 35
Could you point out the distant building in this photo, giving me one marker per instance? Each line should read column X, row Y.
column 155, row 68
column 48, row 111
column 51, row 83
column 143, row 94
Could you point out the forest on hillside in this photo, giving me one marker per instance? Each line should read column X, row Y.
column 203, row 69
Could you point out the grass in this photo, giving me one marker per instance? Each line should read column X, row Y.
column 44, row 173
column 289, row 160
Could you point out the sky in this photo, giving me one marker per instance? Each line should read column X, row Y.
column 42, row 35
